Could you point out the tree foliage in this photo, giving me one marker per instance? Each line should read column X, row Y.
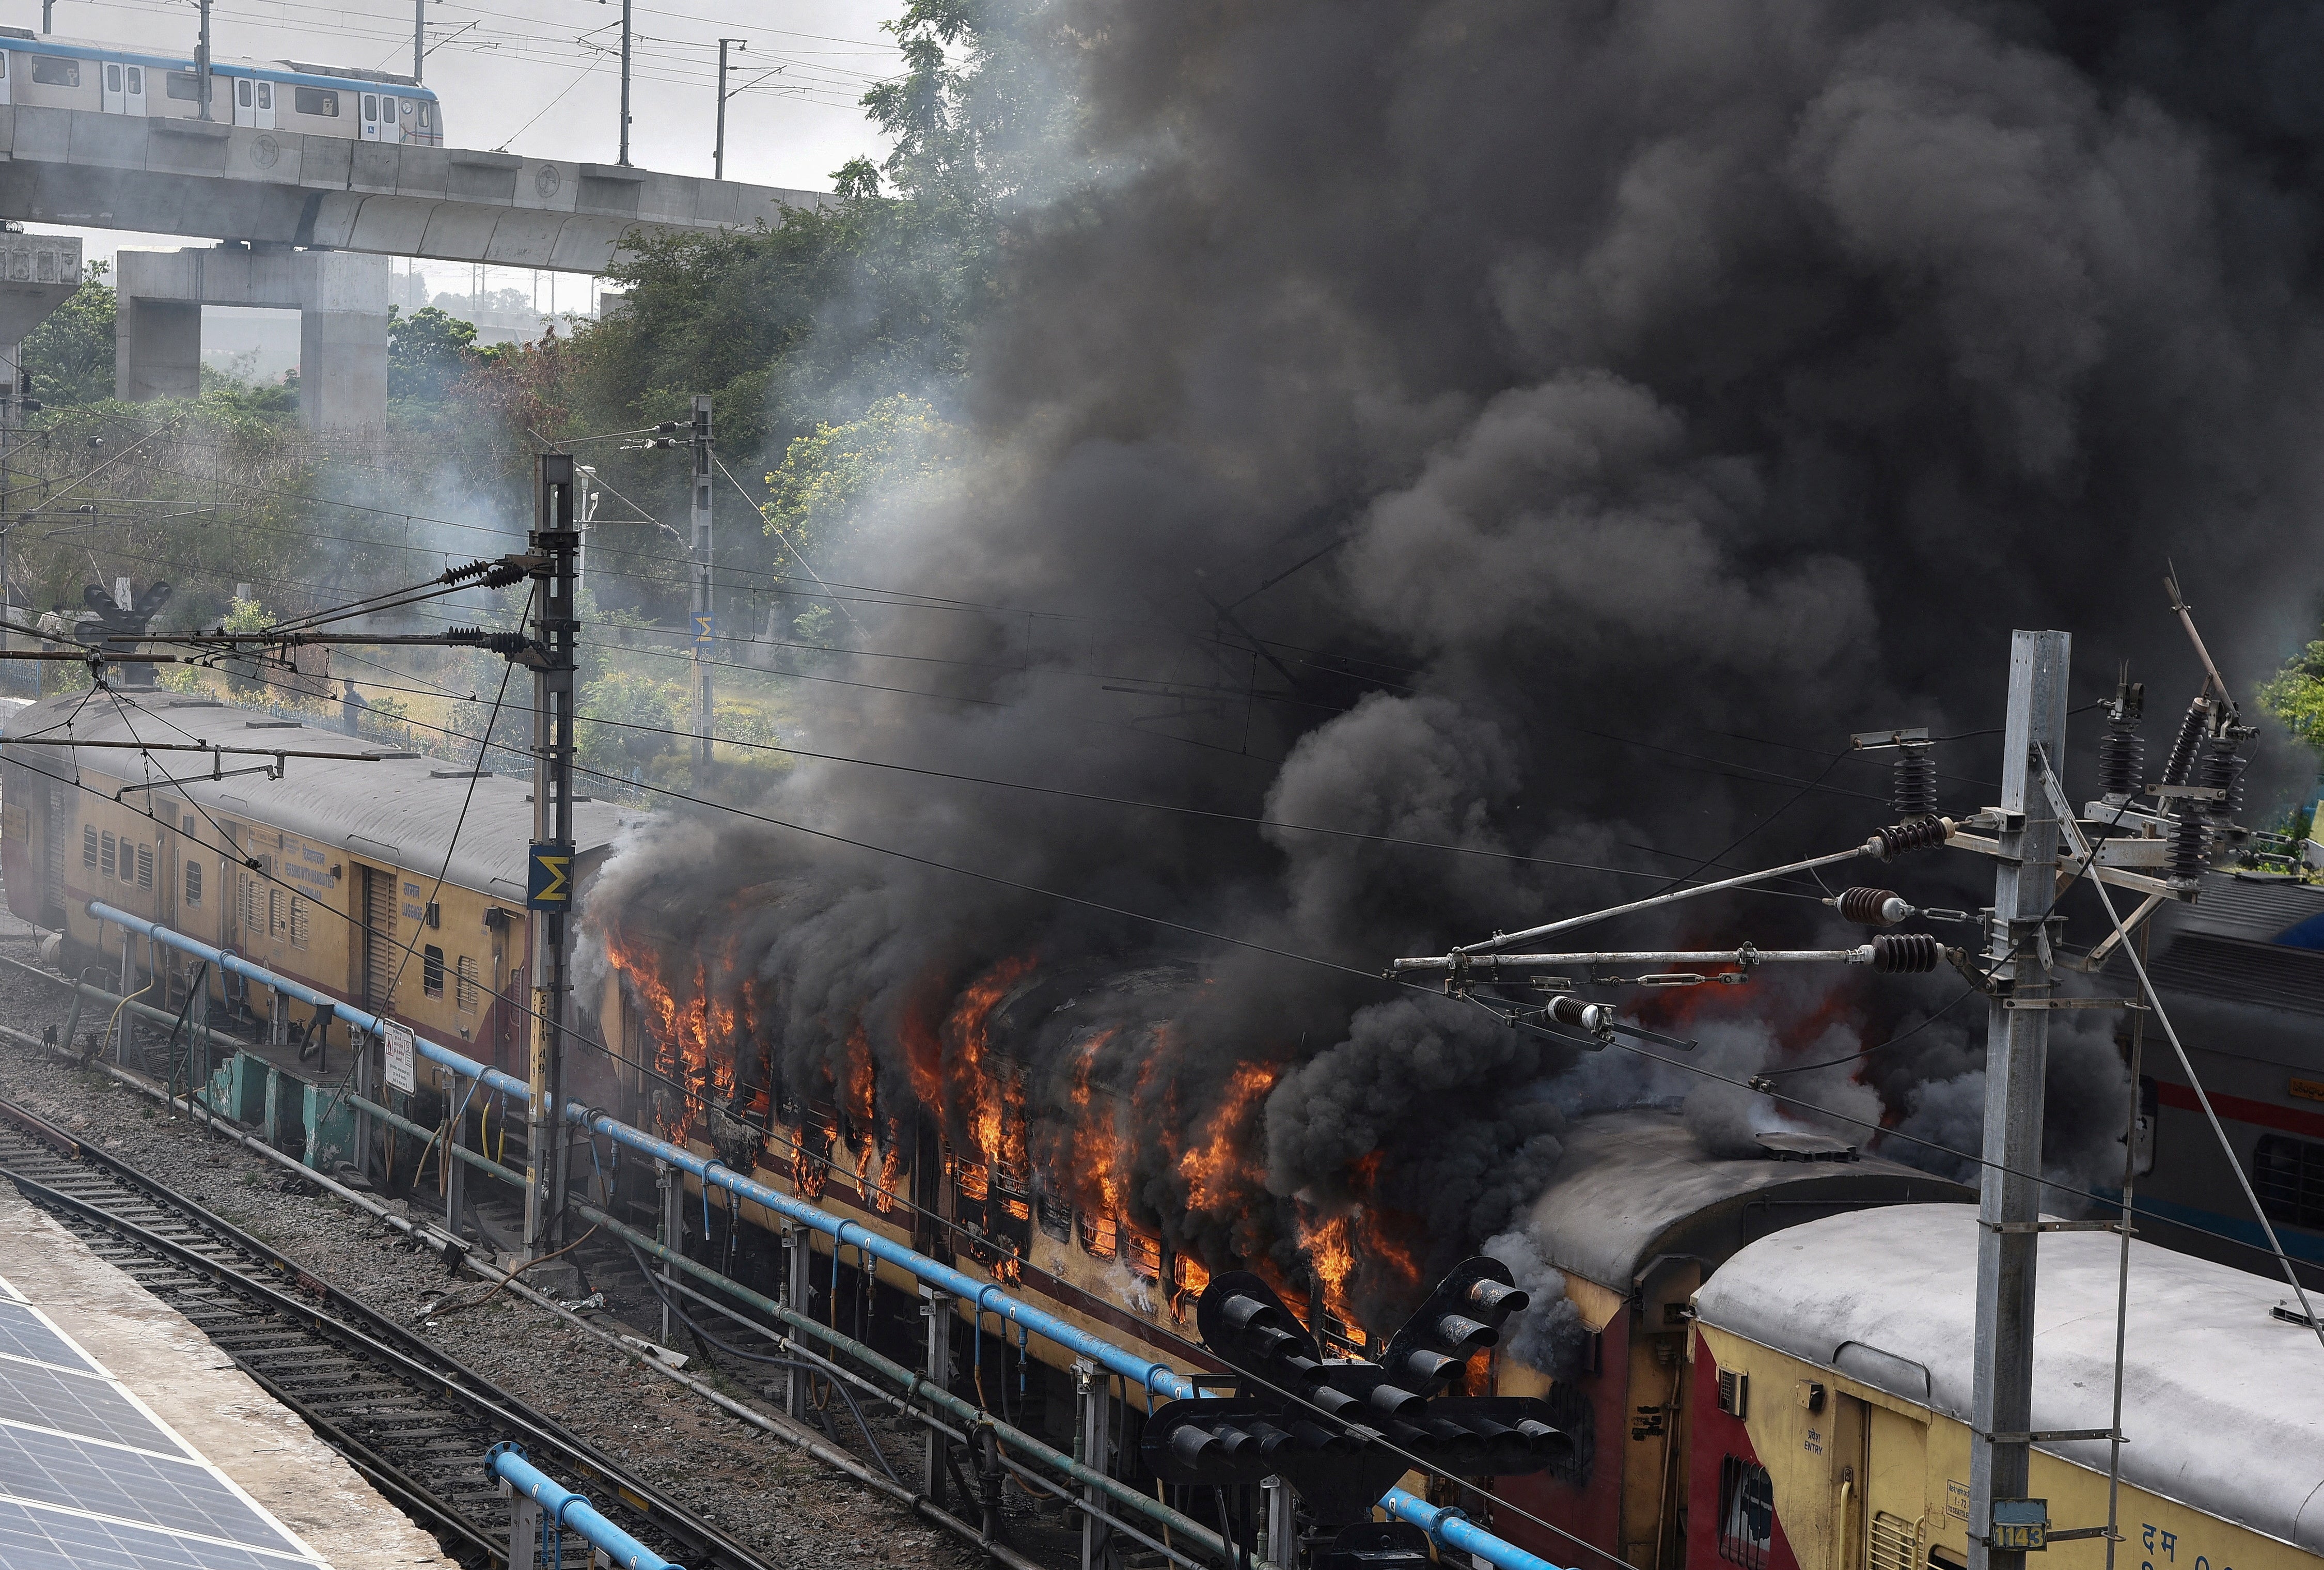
column 427, row 351
column 71, row 354
column 2295, row 695
column 829, row 480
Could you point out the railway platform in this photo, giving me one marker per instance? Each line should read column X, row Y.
column 138, row 1441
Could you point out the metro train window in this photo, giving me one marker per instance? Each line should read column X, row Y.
column 193, row 882
column 184, row 85
column 322, row 101
column 137, row 79
column 112, row 77
column 427, row 117
column 1747, row 1513
column 145, row 866
column 371, row 106
column 88, row 845
column 56, row 70
column 266, row 95
column 104, row 861
column 2288, row 1175
column 242, row 91
column 431, row 971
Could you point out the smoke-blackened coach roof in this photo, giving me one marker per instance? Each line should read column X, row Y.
column 1635, row 1186
column 400, row 809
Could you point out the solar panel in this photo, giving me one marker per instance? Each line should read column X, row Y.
column 24, row 1333
column 128, row 1485
column 88, row 1406
column 38, row 1538
column 90, row 1480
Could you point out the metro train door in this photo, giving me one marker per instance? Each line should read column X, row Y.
column 265, row 105
column 370, row 115
column 116, row 96
column 132, row 88
column 245, row 101
column 390, row 128
column 4, row 74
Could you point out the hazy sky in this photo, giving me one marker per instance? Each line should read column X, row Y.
column 542, row 77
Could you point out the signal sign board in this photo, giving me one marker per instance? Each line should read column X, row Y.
column 702, row 634
column 549, row 876
column 401, row 1046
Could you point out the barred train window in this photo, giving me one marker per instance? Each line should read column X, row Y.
column 88, row 845
column 431, row 971
column 278, row 924
column 1747, row 1513
column 193, row 882
column 299, row 927
column 470, row 993
column 128, row 861
column 105, row 857
column 2288, row 1175
column 145, row 866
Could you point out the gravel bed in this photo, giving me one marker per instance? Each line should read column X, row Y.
column 781, row 1502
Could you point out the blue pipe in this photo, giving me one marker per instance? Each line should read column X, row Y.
column 1449, row 1527
column 569, row 1510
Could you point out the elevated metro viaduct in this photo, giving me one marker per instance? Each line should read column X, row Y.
column 283, row 202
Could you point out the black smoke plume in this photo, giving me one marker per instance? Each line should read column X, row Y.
column 1543, row 431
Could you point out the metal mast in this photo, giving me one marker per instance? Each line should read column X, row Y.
column 718, row 153
column 704, row 618
column 549, row 889
column 624, row 159
column 419, row 37
column 2017, row 1037
column 202, row 65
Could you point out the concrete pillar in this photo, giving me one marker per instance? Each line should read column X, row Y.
column 342, row 300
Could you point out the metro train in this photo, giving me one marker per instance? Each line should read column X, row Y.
column 1768, row 1356
column 43, row 72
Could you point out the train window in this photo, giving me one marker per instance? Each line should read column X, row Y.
column 56, row 70
column 1098, row 1235
column 137, row 79
column 112, row 78
column 128, row 861
column 1142, row 1252
column 242, row 91
column 371, row 106
column 1747, row 1513
column 145, row 866
column 299, row 922
column 185, row 824
column 88, row 845
column 193, row 882
column 431, row 971
column 184, row 85
column 266, row 95
column 2289, row 1176
column 470, row 995
column 277, row 919
column 319, row 101
column 426, row 116
column 106, row 855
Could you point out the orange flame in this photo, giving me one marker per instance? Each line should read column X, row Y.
column 1221, row 1157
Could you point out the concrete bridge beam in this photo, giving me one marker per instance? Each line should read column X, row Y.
column 342, row 305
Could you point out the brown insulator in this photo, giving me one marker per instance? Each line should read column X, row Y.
column 2190, row 732
column 1906, row 953
column 1898, row 838
column 1872, row 907
column 2187, row 841
column 2122, row 756
column 1913, row 787
column 2221, row 768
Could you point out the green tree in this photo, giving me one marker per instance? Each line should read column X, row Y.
column 427, row 351
column 830, row 481
column 632, row 701
column 2295, row 695
column 71, row 354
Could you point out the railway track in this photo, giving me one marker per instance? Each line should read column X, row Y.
column 414, row 1421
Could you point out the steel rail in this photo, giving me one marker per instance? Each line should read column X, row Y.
column 327, row 1312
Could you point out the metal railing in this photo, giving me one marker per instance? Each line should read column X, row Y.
column 545, row 1510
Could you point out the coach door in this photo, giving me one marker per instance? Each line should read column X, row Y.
column 265, row 91
column 370, row 116
column 246, row 102
column 379, row 951
column 132, row 88
column 117, row 90
column 391, row 129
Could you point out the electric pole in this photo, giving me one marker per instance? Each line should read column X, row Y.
column 202, row 65
column 718, row 155
column 704, row 617
column 549, row 894
column 48, row 16
column 419, row 38
column 2017, row 1037
column 624, row 159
